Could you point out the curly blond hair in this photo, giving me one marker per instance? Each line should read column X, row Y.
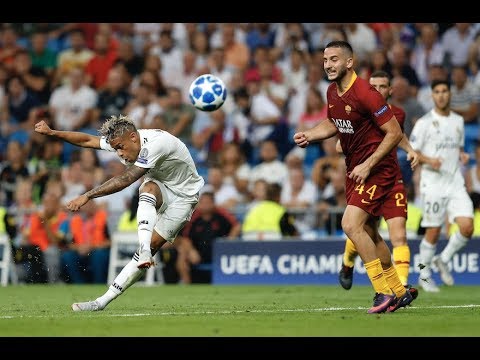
column 116, row 127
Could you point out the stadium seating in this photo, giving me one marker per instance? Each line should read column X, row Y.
column 123, row 246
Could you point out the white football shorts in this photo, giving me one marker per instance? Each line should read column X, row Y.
column 174, row 213
column 435, row 205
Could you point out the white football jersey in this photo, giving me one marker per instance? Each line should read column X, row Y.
column 168, row 159
column 441, row 137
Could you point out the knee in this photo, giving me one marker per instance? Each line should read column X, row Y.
column 349, row 228
column 398, row 240
column 466, row 230
column 153, row 189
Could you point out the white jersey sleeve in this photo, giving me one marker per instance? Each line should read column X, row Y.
column 105, row 145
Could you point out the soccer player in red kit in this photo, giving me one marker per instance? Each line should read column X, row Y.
column 394, row 207
column 369, row 134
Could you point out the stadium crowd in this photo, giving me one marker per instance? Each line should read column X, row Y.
column 76, row 75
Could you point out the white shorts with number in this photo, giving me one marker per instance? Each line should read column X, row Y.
column 436, row 205
column 174, row 213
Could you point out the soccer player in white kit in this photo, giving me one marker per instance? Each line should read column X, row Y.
column 438, row 137
column 167, row 196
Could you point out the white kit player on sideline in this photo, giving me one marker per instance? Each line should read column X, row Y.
column 438, row 137
column 167, row 196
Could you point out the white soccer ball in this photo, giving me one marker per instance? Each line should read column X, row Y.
column 207, row 92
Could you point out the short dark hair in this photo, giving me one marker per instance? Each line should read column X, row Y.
column 340, row 44
column 440, row 82
column 380, row 74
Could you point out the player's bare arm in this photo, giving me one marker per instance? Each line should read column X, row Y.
column 434, row 163
column 73, row 137
column 113, row 185
column 324, row 130
column 393, row 136
column 412, row 155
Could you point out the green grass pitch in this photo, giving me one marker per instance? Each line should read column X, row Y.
column 234, row 311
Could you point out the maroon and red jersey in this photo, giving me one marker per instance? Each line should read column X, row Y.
column 399, row 114
column 358, row 115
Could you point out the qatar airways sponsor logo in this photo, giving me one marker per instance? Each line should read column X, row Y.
column 344, row 126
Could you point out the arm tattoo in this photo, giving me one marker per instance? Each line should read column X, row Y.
column 117, row 183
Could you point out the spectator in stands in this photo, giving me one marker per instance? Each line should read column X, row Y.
column 126, row 54
column 170, row 55
column 331, row 207
column 41, row 55
column 71, row 104
column 401, row 97
column 424, row 95
column 209, row 222
column 35, row 79
column 457, row 41
column 46, row 162
column 13, row 168
column 102, row 61
column 226, row 194
column 113, row 99
column 399, row 59
column 178, row 116
column 428, row 51
column 16, row 109
column 144, row 109
column 151, row 75
column 214, row 137
column 294, row 71
column 9, row 46
column 299, row 196
column 260, row 34
column 77, row 56
column 322, row 168
column 87, row 239
column 235, row 170
column 17, row 223
column 237, row 53
column 271, row 168
column 44, row 233
column 201, row 47
column 465, row 95
column 268, row 219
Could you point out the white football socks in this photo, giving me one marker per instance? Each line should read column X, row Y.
column 146, row 219
column 455, row 243
column 427, row 252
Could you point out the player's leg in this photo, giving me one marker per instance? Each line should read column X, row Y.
column 434, row 205
column 460, row 210
column 149, row 200
column 129, row 275
column 401, row 251
column 345, row 275
column 383, row 253
column 353, row 224
column 395, row 215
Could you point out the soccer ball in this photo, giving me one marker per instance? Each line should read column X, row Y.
column 207, row 92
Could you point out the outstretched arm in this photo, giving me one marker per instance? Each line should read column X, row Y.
column 113, row 185
column 324, row 130
column 73, row 137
